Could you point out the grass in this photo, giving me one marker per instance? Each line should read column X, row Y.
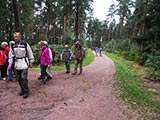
column 130, row 88
column 88, row 59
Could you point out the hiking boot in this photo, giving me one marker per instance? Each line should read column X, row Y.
column 39, row 78
column 48, row 78
column 25, row 95
column 80, row 73
column 43, row 81
column 74, row 73
column 67, row 72
column 21, row 93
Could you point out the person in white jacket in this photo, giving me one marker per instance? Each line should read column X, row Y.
column 22, row 56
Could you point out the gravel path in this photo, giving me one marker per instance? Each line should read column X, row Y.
column 65, row 97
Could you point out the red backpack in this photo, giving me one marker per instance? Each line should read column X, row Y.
column 53, row 53
column 3, row 57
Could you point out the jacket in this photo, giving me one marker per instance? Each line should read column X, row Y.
column 79, row 53
column 67, row 55
column 21, row 55
column 44, row 56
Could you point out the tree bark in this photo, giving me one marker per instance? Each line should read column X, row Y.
column 16, row 15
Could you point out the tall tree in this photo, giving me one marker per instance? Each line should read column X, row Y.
column 16, row 15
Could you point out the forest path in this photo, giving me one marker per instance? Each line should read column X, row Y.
column 66, row 97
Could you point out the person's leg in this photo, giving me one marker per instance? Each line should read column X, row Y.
column 76, row 66
column 3, row 72
column 24, row 83
column 43, row 73
column 80, row 66
column 18, row 78
column 10, row 73
column 67, row 66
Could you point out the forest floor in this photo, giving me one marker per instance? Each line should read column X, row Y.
column 66, row 97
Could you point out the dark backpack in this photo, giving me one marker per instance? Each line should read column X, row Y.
column 53, row 53
column 3, row 57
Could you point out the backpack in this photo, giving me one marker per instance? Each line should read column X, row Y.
column 22, row 43
column 25, row 46
column 3, row 57
column 53, row 52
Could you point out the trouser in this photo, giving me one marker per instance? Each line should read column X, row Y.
column 67, row 64
column 76, row 65
column 3, row 71
column 44, row 72
column 22, row 78
column 11, row 72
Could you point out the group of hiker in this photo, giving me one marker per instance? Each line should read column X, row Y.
column 98, row 51
column 17, row 56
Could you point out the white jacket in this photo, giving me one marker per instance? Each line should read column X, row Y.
column 22, row 56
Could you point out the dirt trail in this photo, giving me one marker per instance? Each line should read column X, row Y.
column 65, row 97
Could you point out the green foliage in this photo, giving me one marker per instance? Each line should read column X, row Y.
column 130, row 88
column 140, row 50
column 68, row 37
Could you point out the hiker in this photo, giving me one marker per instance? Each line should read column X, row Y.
column 79, row 55
column 11, row 71
column 3, row 59
column 44, row 62
column 5, row 46
column 51, row 55
column 22, row 56
column 66, row 56
column 96, row 51
column 100, row 51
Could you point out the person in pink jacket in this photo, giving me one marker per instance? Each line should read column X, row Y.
column 44, row 61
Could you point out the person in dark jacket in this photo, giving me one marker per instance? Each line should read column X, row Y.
column 66, row 57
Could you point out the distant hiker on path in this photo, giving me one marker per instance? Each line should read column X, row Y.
column 22, row 56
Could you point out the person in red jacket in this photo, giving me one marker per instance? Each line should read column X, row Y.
column 2, row 63
column 6, row 48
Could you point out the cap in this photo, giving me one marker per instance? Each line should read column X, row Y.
column 66, row 46
column 4, row 43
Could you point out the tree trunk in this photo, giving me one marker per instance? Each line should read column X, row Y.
column 76, row 21
column 16, row 15
column 121, row 27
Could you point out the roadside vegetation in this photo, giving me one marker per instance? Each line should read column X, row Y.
column 133, row 89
